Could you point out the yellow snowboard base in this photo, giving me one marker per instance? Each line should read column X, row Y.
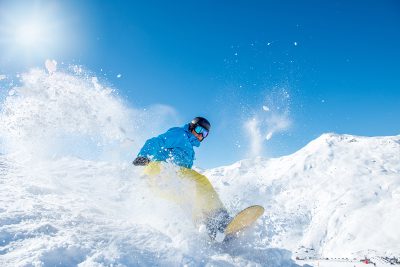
column 243, row 220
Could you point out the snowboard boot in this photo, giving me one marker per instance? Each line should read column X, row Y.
column 216, row 223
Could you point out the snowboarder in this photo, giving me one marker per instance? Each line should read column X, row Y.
column 175, row 145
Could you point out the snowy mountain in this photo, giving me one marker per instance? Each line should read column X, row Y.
column 338, row 196
column 70, row 196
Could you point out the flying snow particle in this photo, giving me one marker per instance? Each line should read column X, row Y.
column 269, row 136
column 2, row 77
column 238, row 145
column 119, row 75
column 295, row 43
column 286, row 94
column 265, row 108
column 202, row 229
column 219, row 237
column 51, row 65
column 77, row 69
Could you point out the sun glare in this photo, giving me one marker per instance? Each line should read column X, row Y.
column 39, row 29
column 31, row 34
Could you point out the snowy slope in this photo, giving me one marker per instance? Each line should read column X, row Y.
column 339, row 195
column 70, row 211
column 69, row 195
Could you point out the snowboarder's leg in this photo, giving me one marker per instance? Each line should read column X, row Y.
column 208, row 208
column 163, row 184
column 206, row 200
column 153, row 168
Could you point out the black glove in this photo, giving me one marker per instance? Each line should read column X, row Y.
column 141, row 161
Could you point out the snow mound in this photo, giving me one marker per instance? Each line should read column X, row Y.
column 74, row 212
column 337, row 196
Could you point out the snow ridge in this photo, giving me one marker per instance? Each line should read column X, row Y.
column 337, row 195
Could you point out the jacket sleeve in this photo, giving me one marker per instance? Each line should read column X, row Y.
column 151, row 148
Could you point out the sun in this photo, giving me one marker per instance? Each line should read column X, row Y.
column 29, row 31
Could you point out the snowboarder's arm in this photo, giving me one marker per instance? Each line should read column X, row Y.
column 151, row 149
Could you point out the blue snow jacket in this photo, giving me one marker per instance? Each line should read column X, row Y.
column 175, row 145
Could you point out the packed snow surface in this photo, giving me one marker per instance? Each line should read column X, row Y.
column 69, row 195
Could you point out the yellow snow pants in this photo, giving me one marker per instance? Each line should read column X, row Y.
column 185, row 187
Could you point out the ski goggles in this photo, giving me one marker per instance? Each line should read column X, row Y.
column 200, row 130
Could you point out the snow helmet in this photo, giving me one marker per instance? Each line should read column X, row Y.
column 200, row 121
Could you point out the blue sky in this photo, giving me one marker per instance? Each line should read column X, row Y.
column 336, row 61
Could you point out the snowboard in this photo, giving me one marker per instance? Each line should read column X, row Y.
column 240, row 222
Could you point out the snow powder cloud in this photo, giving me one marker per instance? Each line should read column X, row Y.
column 272, row 118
